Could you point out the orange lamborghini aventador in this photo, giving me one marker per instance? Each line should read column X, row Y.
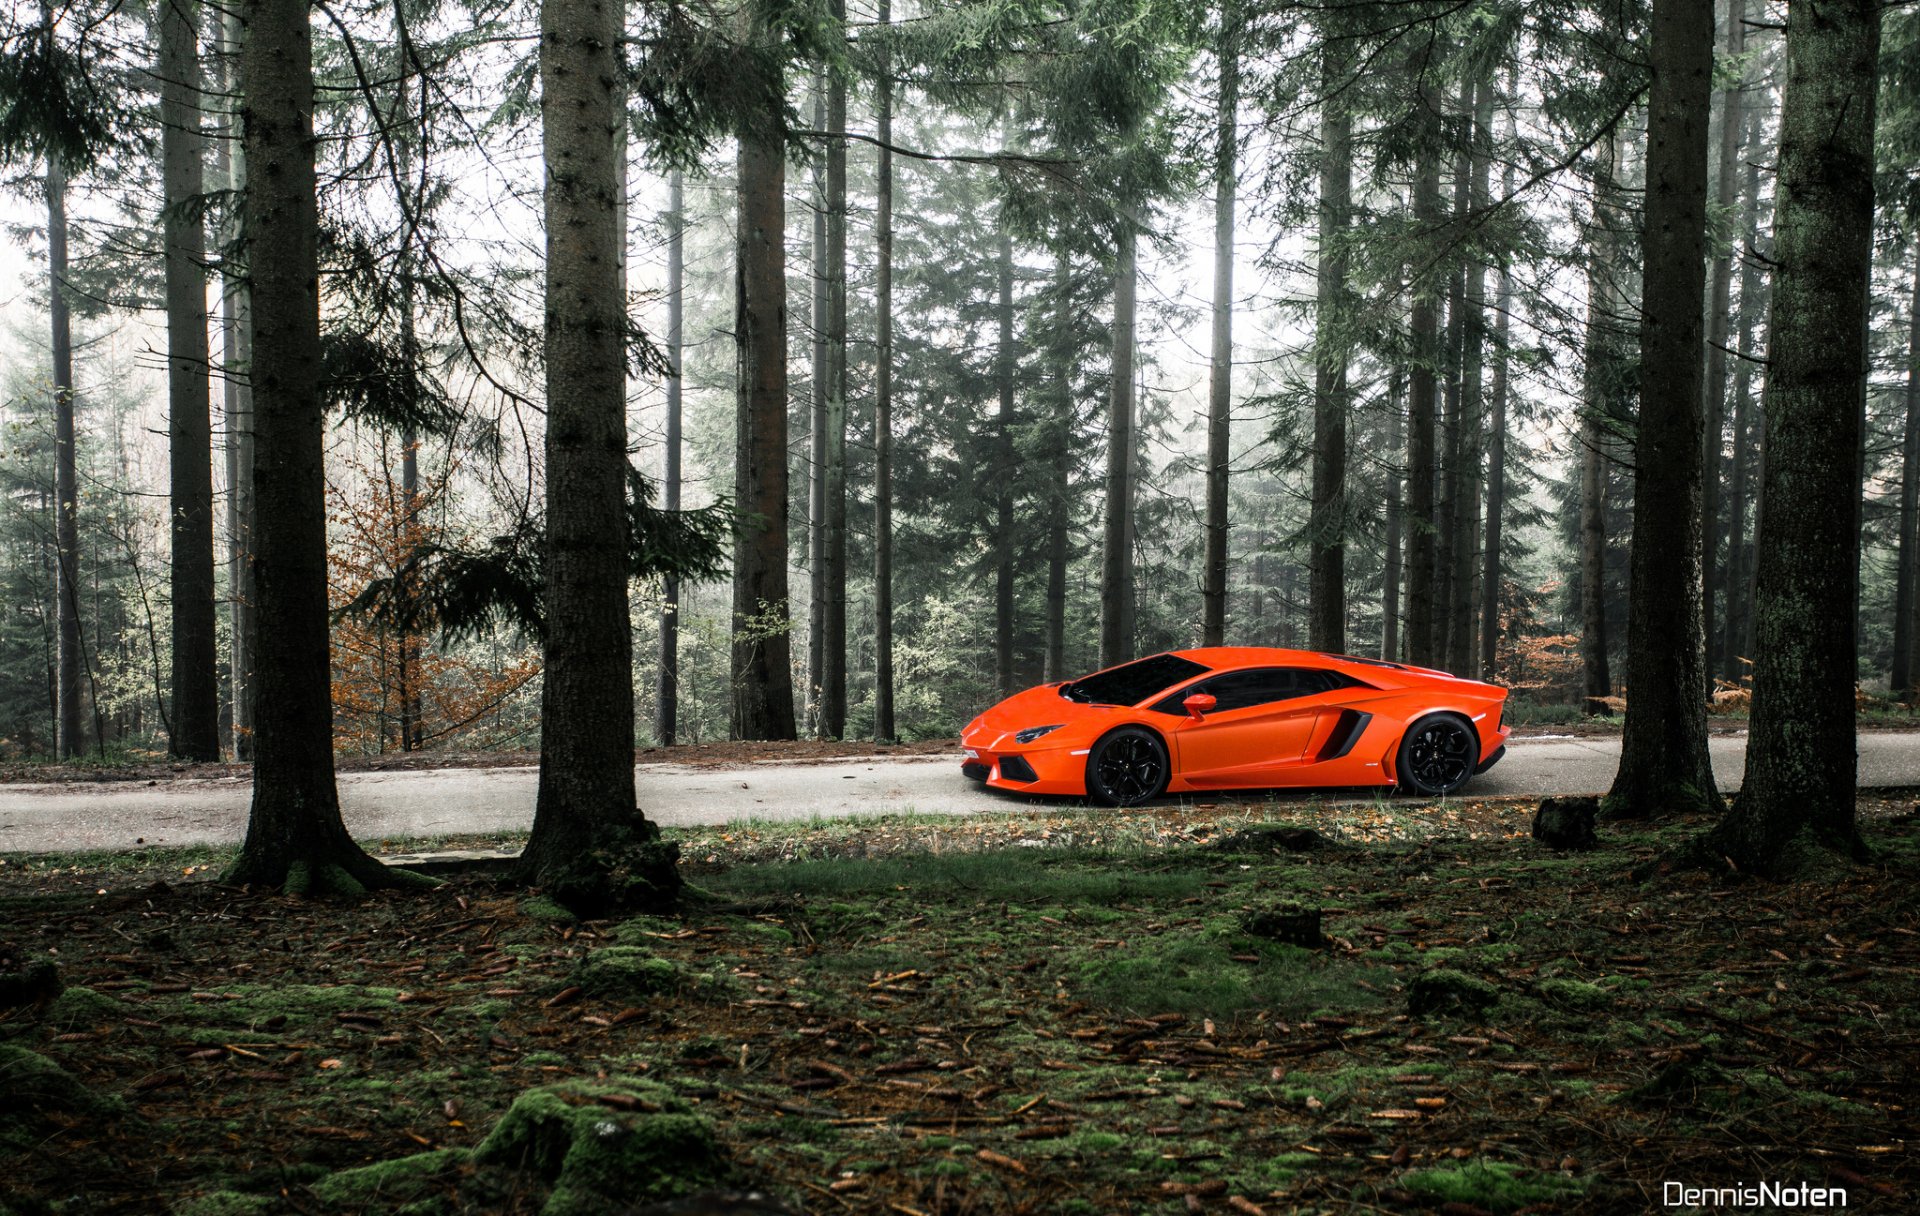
column 1239, row 717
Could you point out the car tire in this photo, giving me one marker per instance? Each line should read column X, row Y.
column 1127, row 768
column 1437, row 755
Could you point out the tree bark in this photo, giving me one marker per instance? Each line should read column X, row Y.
column 1396, row 477
column 883, row 725
column 195, row 721
column 590, row 846
column 236, row 327
column 1326, row 525
column 1423, row 367
column 1473, row 333
column 295, row 837
column 1718, row 308
column 1746, row 423
column 1054, row 661
column 1116, row 569
column 666, row 715
column 762, row 680
column 69, row 741
column 817, row 434
column 1226, row 179
column 833, row 668
column 1004, row 468
column 1901, row 678
column 1663, row 760
column 1799, row 786
column 1601, row 363
column 1491, row 599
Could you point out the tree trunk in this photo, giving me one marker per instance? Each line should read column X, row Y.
column 295, row 837
column 762, row 680
column 1446, row 524
column 1473, row 332
column 195, row 721
column 1054, row 662
column 1326, row 527
column 1226, row 178
column 1663, row 758
column 1421, row 386
column 1799, row 786
column 1390, row 579
column 817, row 435
column 883, row 725
column 1004, row 468
column 833, row 658
column 236, row 328
column 1901, row 679
column 1746, row 423
column 68, row 739
column 666, row 713
column 1601, row 362
column 1116, row 569
column 590, row 847
column 1718, row 308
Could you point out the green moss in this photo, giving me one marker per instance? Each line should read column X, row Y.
column 538, row 1059
column 378, row 1186
column 1447, row 992
column 541, row 908
column 75, row 1008
column 38, row 1089
column 226, row 1203
column 1493, row 1185
column 606, row 1144
column 627, row 973
column 1574, row 994
column 300, row 1004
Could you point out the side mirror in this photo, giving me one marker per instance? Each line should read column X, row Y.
column 1199, row 705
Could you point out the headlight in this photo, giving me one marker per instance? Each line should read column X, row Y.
column 1034, row 732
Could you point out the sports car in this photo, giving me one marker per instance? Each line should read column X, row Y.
column 1239, row 717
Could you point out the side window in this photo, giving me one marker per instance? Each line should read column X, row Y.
column 1256, row 686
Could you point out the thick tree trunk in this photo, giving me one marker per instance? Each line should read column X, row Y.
column 295, row 837
column 1116, row 568
column 1601, row 389
column 883, row 725
column 1226, row 180
column 68, row 738
column 1490, row 569
column 1799, row 786
column 1390, row 579
column 1901, row 678
column 1719, row 305
column 1421, row 393
column 833, row 657
column 195, row 720
column 1663, row 760
column 236, row 327
column 1327, row 523
column 666, row 714
column 762, row 680
column 590, row 845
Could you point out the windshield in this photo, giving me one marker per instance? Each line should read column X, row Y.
column 1134, row 682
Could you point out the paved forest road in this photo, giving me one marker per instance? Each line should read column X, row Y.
column 443, row 802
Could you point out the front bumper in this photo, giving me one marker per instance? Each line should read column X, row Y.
column 1025, row 770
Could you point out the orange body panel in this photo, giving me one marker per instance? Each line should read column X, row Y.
column 1348, row 736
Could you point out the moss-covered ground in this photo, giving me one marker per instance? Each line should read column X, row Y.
column 1059, row 1013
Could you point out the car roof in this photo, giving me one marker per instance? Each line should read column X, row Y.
column 1225, row 657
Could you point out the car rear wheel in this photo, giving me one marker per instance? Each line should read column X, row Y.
column 1437, row 755
column 1127, row 767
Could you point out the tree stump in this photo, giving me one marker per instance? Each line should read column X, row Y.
column 1566, row 823
column 1291, row 924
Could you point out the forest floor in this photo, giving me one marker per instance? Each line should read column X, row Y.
column 1044, row 1013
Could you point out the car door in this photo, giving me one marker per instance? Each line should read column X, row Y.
column 1260, row 725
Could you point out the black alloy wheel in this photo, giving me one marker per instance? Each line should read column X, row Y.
column 1438, row 755
column 1127, row 768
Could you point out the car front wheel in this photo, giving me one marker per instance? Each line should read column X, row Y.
column 1437, row 755
column 1127, row 768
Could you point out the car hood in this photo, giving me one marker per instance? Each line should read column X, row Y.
column 1042, row 706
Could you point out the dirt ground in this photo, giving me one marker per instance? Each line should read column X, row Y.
column 1081, row 1013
